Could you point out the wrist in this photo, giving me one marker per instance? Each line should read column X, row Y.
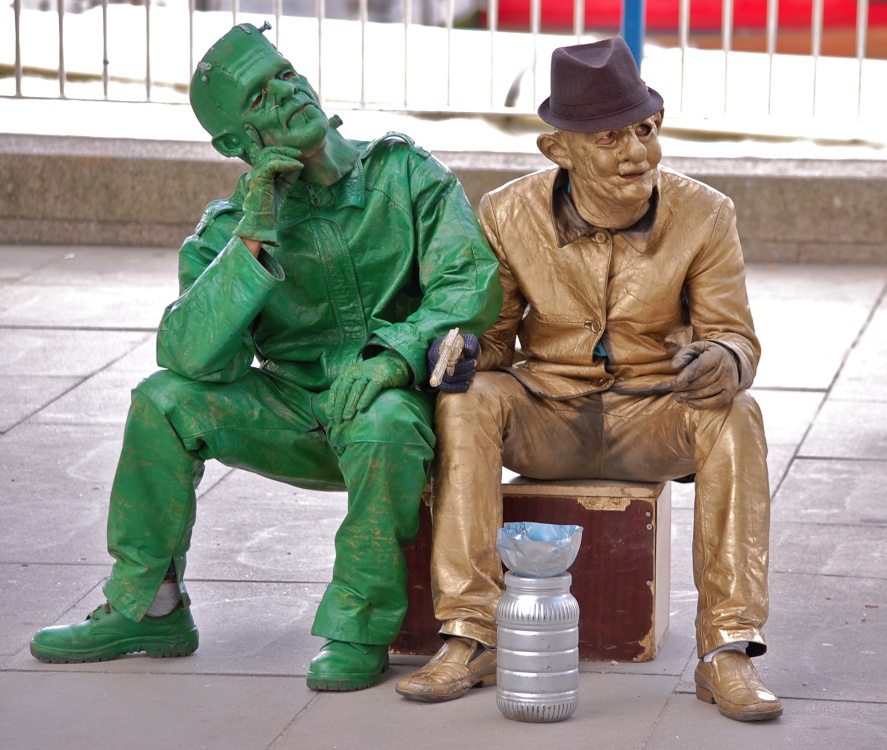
column 398, row 364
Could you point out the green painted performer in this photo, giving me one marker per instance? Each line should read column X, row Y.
column 335, row 266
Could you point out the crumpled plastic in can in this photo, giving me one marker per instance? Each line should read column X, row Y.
column 538, row 550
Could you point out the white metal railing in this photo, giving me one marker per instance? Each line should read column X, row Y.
column 436, row 55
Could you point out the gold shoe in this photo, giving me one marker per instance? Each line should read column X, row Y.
column 731, row 681
column 459, row 666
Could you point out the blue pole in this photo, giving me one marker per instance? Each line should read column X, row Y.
column 633, row 28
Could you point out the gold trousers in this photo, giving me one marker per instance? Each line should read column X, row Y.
column 605, row 435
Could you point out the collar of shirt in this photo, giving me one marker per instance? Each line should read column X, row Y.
column 569, row 226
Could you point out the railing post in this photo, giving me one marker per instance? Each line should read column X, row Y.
column 633, row 28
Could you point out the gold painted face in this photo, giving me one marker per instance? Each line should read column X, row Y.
column 615, row 166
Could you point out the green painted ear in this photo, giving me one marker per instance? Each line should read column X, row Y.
column 228, row 145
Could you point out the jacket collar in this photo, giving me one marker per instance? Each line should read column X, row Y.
column 348, row 191
column 569, row 226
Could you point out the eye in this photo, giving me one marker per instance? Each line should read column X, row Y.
column 605, row 139
column 257, row 102
column 644, row 129
column 288, row 75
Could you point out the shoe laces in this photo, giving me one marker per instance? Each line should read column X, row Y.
column 94, row 615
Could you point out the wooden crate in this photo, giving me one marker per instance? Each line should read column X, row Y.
column 620, row 577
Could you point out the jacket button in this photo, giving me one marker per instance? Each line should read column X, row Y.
column 600, row 237
column 594, row 325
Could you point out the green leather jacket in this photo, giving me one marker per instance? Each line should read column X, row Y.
column 391, row 256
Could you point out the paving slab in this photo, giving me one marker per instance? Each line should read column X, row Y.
column 46, row 352
column 687, row 723
column 615, row 711
column 790, row 282
column 834, row 492
column 252, row 528
column 97, row 267
column 71, row 307
column 73, row 711
column 55, row 482
column 20, row 261
column 829, row 549
column 35, row 595
column 848, row 429
column 104, row 397
column 787, row 414
column 23, row 396
column 803, row 342
column 807, row 318
column 859, row 378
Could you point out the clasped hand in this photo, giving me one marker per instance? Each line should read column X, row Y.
column 465, row 368
column 355, row 389
column 708, row 377
column 259, row 220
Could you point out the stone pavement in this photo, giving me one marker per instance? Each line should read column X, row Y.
column 77, row 329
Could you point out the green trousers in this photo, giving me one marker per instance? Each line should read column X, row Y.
column 281, row 431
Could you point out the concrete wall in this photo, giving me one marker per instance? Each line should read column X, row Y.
column 78, row 191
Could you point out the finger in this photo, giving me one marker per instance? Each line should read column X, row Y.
column 687, row 354
column 683, row 358
column 457, row 387
column 287, row 165
column 694, row 394
column 698, row 368
column 272, row 160
column 706, row 379
column 471, row 348
column 464, row 369
column 352, row 403
column 370, row 391
column 712, row 402
column 434, row 352
column 338, row 397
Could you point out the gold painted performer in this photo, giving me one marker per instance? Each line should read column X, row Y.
column 624, row 283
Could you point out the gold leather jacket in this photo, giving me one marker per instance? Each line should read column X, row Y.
column 573, row 291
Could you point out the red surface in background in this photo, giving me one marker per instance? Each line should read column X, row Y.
column 705, row 15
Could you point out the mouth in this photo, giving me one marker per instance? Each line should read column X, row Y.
column 297, row 111
column 631, row 176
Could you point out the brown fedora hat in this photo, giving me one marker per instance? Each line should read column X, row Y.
column 597, row 87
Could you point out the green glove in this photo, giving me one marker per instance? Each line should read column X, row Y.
column 355, row 389
column 259, row 220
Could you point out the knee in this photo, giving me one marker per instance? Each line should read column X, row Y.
column 161, row 389
column 482, row 398
column 740, row 420
column 396, row 416
column 744, row 410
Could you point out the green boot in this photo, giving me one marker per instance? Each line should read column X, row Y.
column 347, row 666
column 107, row 634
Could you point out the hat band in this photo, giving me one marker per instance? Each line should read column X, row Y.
column 602, row 108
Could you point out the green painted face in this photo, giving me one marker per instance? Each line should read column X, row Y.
column 246, row 95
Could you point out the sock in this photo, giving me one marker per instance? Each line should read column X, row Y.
column 168, row 595
column 737, row 646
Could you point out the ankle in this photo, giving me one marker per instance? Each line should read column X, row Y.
column 168, row 596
